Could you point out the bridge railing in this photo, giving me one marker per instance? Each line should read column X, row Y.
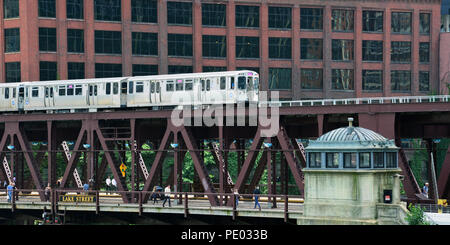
column 186, row 200
column 359, row 101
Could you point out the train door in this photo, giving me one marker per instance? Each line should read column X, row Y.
column 92, row 95
column 205, row 88
column 49, row 100
column 155, row 92
column 21, row 98
column 123, row 93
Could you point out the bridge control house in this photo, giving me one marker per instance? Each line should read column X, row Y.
column 352, row 177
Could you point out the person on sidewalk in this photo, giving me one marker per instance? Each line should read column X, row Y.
column 256, row 193
column 167, row 195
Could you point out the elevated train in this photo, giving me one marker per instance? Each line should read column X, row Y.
column 229, row 87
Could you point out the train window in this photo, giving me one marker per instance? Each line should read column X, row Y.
column 152, row 87
column 203, row 85
column 14, row 93
column 241, row 82
column 158, row 88
column 46, row 92
column 91, row 90
column 256, row 83
column 232, row 83
column 139, row 87
column 188, row 86
column 78, row 90
column 62, row 90
column 249, row 83
column 35, row 92
column 6, row 93
column 108, row 88
column 130, row 87
column 223, row 83
column 169, row 86
column 179, row 86
column 70, row 89
column 123, row 88
column 95, row 90
column 115, row 88
column 208, row 85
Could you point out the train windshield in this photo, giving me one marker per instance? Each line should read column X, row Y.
column 241, row 82
column 249, row 83
column 256, row 83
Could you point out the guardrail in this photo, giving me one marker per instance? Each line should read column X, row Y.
column 359, row 101
column 433, row 208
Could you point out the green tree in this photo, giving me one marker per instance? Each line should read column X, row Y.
column 416, row 216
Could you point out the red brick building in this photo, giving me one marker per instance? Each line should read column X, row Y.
column 304, row 49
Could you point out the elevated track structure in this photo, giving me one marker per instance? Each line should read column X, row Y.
column 101, row 140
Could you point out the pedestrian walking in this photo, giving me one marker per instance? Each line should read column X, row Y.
column 154, row 195
column 10, row 189
column 47, row 192
column 236, row 196
column 257, row 192
column 86, row 188
column 425, row 190
column 167, row 195
column 108, row 185
column 114, row 184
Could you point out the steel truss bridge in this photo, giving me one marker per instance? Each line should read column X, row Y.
column 100, row 141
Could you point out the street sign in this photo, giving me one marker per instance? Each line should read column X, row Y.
column 123, row 168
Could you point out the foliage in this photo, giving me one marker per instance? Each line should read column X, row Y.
column 416, row 216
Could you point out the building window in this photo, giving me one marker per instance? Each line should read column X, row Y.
column 279, row 48
column 378, row 160
column 342, row 20
column 280, row 78
column 401, row 81
column 108, row 70
column 180, row 69
column 350, row 160
column 400, row 22
column 332, row 159
column 311, row 18
column 47, row 8
column 179, row 13
column 47, row 39
column 424, row 81
column 74, row 9
column 424, row 27
column 214, row 46
column 180, row 44
column 280, row 17
column 12, row 40
column 144, row 11
column 247, row 47
column 145, row 70
column 364, row 159
column 75, row 40
column 247, row 16
column 342, row 79
column 372, row 50
column 108, row 42
column 372, row 80
column 315, row 160
column 47, row 71
column 75, row 70
column 311, row 49
column 214, row 68
column 107, row 10
column 10, row 9
column 373, row 21
column 214, row 14
column 391, row 160
column 311, row 78
column 144, row 43
column 342, row 50
column 400, row 52
column 12, row 72
column 424, row 52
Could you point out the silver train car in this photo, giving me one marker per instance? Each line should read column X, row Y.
column 228, row 87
